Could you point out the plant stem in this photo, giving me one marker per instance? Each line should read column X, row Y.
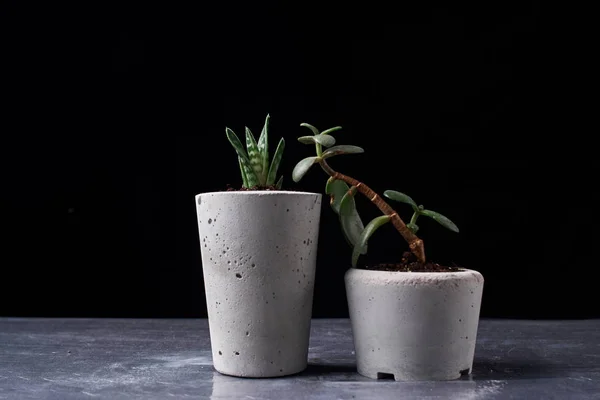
column 319, row 149
column 414, row 243
column 413, row 220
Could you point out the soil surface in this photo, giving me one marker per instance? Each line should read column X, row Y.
column 243, row 189
column 409, row 263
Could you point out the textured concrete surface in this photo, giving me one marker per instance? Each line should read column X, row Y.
column 414, row 326
column 162, row 359
column 259, row 252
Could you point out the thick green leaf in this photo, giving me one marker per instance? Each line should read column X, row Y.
column 314, row 130
column 251, row 177
column 254, row 155
column 325, row 140
column 329, row 185
column 330, row 130
column 244, row 177
column 279, row 183
column 369, row 230
column 237, row 145
column 445, row 222
column 275, row 163
column 342, row 149
column 307, row 139
column 263, row 147
column 336, row 189
column 352, row 225
column 302, row 168
column 401, row 197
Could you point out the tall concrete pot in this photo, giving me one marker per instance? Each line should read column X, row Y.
column 259, row 252
column 414, row 325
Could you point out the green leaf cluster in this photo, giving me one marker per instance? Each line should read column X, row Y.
column 418, row 211
column 255, row 168
column 320, row 140
column 342, row 196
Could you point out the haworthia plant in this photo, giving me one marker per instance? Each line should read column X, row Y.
column 253, row 154
column 255, row 168
column 263, row 147
column 342, row 189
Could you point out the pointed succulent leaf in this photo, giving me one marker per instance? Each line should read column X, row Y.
column 336, row 189
column 445, row 222
column 279, row 183
column 263, row 147
column 302, row 168
column 254, row 155
column 342, row 149
column 352, row 225
column 275, row 163
column 369, row 230
column 314, row 130
column 330, row 130
column 307, row 139
column 325, row 140
column 401, row 197
column 237, row 145
column 251, row 177
column 244, row 177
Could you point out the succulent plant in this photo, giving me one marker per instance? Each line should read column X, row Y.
column 255, row 168
column 418, row 211
column 342, row 189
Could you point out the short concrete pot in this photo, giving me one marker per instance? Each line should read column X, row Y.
column 259, row 252
column 414, row 325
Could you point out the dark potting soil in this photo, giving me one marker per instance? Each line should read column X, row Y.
column 409, row 263
column 243, row 189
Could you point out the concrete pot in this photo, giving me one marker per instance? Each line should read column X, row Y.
column 414, row 326
column 259, row 251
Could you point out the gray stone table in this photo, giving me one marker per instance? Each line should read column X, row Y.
column 164, row 359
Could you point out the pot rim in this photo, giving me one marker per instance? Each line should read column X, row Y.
column 410, row 273
column 403, row 275
column 258, row 192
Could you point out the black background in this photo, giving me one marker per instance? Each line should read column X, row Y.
column 114, row 119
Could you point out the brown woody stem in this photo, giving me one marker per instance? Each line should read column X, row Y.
column 414, row 243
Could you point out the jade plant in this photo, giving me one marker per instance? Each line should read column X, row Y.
column 256, row 170
column 342, row 189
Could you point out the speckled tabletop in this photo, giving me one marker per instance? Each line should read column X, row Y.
column 159, row 359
